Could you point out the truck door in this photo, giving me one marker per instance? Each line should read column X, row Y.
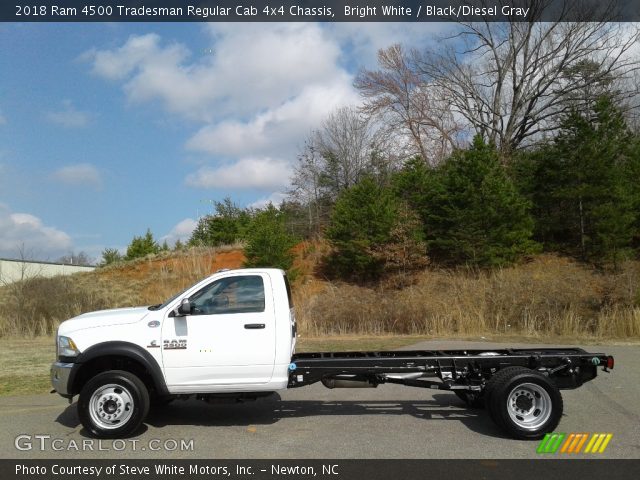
column 228, row 339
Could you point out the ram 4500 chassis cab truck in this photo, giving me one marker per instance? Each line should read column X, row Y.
column 233, row 336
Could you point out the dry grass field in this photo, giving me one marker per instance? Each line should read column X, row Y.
column 548, row 296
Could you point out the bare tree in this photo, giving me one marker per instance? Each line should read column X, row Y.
column 346, row 142
column 80, row 258
column 306, row 184
column 347, row 146
column 397, row 94
column 28, row 267
column 509, row 80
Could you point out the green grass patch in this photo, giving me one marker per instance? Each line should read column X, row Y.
column 24, row 384
column 24, row 365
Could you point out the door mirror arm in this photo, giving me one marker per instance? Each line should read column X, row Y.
column 183, row 309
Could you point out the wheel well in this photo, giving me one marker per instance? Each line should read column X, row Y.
column 101, row 364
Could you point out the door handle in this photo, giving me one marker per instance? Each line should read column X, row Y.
column 254, row 326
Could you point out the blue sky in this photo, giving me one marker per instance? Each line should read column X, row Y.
column 109, row 129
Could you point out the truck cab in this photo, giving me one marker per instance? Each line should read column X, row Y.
column 233, row 332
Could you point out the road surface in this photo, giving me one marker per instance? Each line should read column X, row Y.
column 391, row 421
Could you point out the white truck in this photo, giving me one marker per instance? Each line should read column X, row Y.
column 233, row 336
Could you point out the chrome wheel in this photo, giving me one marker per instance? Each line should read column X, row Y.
column 529, row 406
column 111, row 406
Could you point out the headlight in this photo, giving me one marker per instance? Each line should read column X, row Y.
column 66, row 347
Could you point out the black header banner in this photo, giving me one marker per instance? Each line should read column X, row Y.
column 318, row 10
column 537, row 469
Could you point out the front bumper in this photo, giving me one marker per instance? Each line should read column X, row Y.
column 60, row 373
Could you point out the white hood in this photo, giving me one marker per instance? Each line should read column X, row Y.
column 103, row 318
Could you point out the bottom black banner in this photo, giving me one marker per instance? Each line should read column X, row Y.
column 541, row 469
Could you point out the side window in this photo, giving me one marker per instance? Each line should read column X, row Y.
column 243, row 294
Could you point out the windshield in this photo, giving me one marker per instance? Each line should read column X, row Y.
column 160, row 306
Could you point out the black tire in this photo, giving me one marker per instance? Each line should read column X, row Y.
column 489, row 387
column 471, row 399
column 113, row 404
column 524, row 403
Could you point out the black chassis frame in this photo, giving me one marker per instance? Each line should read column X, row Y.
column 466, row 370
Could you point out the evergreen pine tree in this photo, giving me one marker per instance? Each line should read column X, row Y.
column 142, row 246
column 584, row 186
column 268, row 242
column 370, row 231
column 473, row 212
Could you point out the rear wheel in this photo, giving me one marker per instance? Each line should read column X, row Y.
column 524, row 403
column 113, row 404
column 488, row 389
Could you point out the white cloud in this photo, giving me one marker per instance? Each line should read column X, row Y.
column 277, row 131
column 181, row 231
column 68, row 116
column 275, row 198
column 258, row 173
column 254, row 66
column 119, row 63
column 82, row 174
column 25, row 231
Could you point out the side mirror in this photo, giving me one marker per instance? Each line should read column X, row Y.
column 184, row 308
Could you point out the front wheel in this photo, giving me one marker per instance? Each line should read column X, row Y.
column 525, row 403
column 113, row 404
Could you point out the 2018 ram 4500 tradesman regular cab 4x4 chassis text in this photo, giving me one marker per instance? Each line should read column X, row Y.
column 233, row 335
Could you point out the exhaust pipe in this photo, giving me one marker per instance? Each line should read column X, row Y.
column 348, row 381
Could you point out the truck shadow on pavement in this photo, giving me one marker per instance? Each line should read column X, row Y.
column 272, row 409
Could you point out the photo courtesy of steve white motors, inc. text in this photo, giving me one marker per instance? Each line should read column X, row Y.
column 194, row 468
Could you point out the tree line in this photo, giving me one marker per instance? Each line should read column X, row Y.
column 263, row 233
column 507, row 140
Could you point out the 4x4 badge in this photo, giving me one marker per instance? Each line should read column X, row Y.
column 153, row 344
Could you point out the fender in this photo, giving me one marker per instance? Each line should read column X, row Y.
column 122, row 349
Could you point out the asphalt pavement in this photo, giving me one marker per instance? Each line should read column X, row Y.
column 390, row 421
